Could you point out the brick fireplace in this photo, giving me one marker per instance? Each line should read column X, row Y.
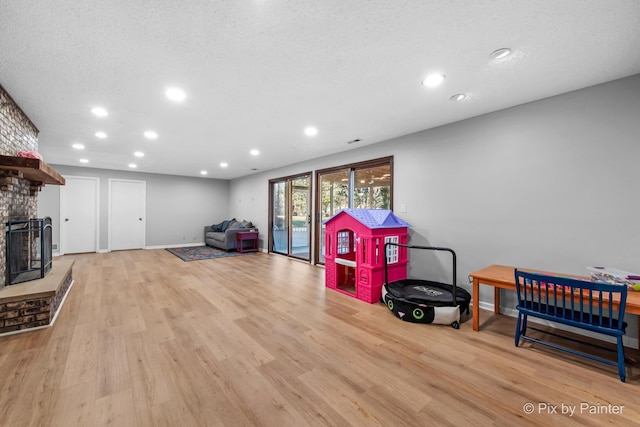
column 17, row 133
column 34, row 303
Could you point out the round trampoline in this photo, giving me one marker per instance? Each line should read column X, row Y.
column 426, row 301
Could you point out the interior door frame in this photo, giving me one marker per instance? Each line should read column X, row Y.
column 144, row 207
column 61, row 249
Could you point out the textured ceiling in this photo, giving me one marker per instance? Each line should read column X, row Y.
column 257, row 72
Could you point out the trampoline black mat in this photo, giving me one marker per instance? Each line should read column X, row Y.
column 430, row 293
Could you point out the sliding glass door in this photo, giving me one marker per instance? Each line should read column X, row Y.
column 301, row 218
column 290, row 216
column 361, row 185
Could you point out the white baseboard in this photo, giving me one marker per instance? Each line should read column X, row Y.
column 511, row 312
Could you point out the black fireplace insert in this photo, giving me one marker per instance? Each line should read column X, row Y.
column 28, row 249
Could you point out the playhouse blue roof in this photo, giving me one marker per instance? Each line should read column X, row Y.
column 373, row 218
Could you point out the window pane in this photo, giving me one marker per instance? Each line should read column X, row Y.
column 372, row 188
column 334, row 196
column 334, row 189
column 392, row 250
column 343, row 242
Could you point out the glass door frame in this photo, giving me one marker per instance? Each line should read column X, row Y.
column 289, row 211
column 351, row 168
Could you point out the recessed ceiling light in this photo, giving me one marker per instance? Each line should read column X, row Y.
column 78, row 146
column 84, row 160
column 99, row 111
column 224, row 164
column 458, row 97
column 133, row 165
column 433, row 80
column 254, row 152
column 100, row 135
column 311, row 131
column 175, row 94
column 149, row 134
column 500, row 53
column 203, row 172
column 138, row 154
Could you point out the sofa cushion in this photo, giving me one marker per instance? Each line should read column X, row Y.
column 215, row 235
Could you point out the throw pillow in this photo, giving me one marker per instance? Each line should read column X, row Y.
column 233, row 224
column 223, row 225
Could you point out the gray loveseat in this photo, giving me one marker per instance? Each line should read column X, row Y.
column 223, row 235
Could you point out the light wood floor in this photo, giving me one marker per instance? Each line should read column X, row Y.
column 145, row 339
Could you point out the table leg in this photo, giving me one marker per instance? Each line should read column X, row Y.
column 496, row 300
column 476, row 305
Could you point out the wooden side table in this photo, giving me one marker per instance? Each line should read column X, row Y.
column 251, row 236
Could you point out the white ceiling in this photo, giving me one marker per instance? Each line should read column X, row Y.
column 257, row 72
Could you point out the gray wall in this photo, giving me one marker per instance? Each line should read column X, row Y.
column 177, row 207
column 549, row 185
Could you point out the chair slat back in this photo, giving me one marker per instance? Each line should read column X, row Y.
column 572, row 299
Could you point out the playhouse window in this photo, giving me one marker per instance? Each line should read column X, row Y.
column 392, row 251
column 343, row 242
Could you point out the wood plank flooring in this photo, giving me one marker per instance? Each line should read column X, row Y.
column 145, row 339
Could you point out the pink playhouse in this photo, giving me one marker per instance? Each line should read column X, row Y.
column 354, row 242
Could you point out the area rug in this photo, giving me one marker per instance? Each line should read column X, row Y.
column 197, row 253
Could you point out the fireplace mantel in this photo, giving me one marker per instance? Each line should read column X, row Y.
column 34, row 170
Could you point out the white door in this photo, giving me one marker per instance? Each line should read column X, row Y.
column 127, row 210
column 79, row 214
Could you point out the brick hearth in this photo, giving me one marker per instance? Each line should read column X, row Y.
column 36, row 303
